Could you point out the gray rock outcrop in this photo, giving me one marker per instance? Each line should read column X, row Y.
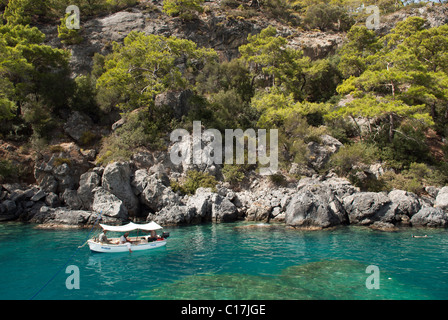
column 108, row 204
column 87, row 183
column 117, row 180
column 430, row 217
column 365, row 208
column 315, row 207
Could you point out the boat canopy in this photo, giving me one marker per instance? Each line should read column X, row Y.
column 132, row 226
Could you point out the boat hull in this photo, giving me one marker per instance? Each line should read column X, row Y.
column 115, row 248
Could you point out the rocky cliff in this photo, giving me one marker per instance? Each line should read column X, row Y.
column 214, row 29
column 140, row 190
column 70, row 190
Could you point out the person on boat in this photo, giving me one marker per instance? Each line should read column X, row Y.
column 425, row 236
column 124, row 238
column 153, row 236
column 103, row 238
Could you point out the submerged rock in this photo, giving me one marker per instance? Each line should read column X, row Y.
column 325, row 279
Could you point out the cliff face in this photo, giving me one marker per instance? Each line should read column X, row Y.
column 214, row 29
column 211, row 30
column 69, row 184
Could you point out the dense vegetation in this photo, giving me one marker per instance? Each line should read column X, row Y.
column 381, row 95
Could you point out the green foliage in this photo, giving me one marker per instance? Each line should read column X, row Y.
column 34, row 77
column 395, row 79
column 193, row 181
column 26, row 12
column 8, row 171
column 358, row 51
column 291, row 118
column 349, row 156
column 87, row 138
column 274, row 63
column 134, row 133
column 56, row 149
column 68, row 36
column 408, row 145
column 23, row 11
column 144, row 66
column 277, row 179
column 325, row 16
column 83, row 98
column 60, row 161
column 185, row 9
column 322, row 78
column 233, row 173
column 415, row 178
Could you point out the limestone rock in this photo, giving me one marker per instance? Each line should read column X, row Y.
column 315, row 207
column 430, row 217
column 117, row 180
column 108, row 204
column 87, row 182
column 365, row 208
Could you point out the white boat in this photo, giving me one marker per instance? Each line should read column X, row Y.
column 138, row 243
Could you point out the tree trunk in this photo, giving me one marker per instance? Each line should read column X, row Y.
column 357, row 126
column 433, row 112
column 391, row 128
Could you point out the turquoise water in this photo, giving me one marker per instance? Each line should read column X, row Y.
column 228, row 261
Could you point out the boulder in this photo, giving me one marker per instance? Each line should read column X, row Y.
column 117, row 180
column 87, row 182
column 139, row 181
column 223, row 210
column 174, row 215
column 64, row 176
column 432, row 191
column 177, row 101
column 430, row 217
column 383, row 226
column 48, row 183
column 77, row 125
column 259, row 211
column 301, row 170
column 320, row 152
column 52, row 200
column 315, row 207
column 108, row 204
column 364, row 208
column 8, row 210
column 38, row 195
column 339, row 186
column 442, row 199
column 71, row 199
column 63, row 217
column 201, row 203
column 405, row 205
column 157, row 196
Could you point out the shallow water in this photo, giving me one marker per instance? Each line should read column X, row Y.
column 229, row 261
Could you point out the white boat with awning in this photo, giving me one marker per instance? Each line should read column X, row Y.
column 138, row 243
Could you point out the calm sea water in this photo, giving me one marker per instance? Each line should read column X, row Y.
column 228, row 261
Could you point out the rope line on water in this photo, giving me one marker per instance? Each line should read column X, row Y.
column 68, row 260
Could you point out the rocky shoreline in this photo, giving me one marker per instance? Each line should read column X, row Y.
column 140, row 190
